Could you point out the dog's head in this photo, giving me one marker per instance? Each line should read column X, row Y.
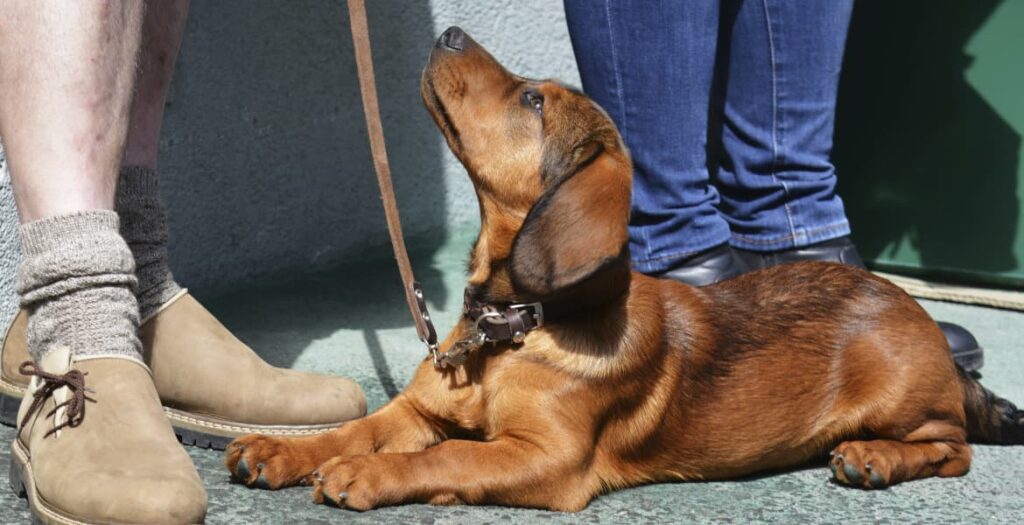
column 549, row 169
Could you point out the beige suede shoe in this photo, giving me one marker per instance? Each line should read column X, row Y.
column 213, row 387
column 94, row 447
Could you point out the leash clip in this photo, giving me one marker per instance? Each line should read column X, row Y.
column 424, row 324
column 455, row 357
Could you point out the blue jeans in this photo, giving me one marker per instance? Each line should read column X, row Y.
column 763, row 73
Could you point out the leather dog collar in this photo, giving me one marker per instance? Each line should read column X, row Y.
column 503, row 322
column 492, row 323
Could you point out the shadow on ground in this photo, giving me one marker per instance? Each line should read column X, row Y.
column 335, row 320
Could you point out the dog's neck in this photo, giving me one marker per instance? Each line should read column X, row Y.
column 488, row 267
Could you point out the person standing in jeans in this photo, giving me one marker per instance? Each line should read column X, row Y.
column 728, row 109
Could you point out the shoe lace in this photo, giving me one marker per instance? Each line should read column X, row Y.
column 73, row 379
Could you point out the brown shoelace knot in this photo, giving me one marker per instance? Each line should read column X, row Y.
column 73, row 379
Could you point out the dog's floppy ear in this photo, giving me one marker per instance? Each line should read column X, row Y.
column 573, row 242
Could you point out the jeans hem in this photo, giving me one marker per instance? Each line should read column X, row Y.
column 662, row 263
column 799, row 239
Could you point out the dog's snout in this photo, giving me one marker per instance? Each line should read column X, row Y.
column 452, row 39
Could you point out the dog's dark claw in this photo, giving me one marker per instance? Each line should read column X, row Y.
column 342, row 497
column 876, row 481
column 261, row 481
column 852, row 474
column 243, row 469
column 837, row 459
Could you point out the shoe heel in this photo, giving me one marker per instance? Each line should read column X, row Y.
column 14, row 478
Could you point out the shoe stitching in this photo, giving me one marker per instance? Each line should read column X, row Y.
column 273, row 430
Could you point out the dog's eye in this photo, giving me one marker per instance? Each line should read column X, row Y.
column 533, row 100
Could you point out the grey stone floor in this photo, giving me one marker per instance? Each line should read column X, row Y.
column 353, row 322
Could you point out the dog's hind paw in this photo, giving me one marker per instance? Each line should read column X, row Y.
column 853, row 463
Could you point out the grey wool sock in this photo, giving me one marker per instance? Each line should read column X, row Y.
column 75, row 280
column 144, row 228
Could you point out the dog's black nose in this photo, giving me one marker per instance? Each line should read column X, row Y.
column 452, row 39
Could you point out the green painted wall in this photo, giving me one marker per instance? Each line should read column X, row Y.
column 928, row 140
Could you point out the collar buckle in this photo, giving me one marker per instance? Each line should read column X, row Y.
column 491, row 323
column 538, row 312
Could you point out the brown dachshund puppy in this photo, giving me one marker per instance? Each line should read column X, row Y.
column 631, row 379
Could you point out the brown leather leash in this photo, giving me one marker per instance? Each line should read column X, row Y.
column 492, row 323
column 368, row 88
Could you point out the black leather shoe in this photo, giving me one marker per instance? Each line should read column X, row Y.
column 707, row 267
column 965, row 348
column 839, row 250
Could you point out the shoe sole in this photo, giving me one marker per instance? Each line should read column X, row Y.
column 211, row 432
column 23, row 485
column 192, row 430
column 971, row 360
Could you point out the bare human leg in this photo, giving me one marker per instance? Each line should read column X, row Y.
column 66, row 75
column 162, row 29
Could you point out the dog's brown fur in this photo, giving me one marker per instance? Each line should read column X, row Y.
column 633, row 380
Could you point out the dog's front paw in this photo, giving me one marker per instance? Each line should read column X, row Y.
column 354, row 482
column 267, row 462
